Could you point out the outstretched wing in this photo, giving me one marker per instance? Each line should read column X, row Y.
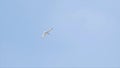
column 49, row 30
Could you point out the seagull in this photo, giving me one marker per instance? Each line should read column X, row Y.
column 45, row 33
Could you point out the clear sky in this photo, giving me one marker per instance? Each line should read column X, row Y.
column 86, row 33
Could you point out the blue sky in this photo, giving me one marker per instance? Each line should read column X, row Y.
column 86, row 33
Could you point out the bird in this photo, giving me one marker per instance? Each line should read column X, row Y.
column 45, row 33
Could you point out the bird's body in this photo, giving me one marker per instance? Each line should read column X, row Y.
column 45, row 33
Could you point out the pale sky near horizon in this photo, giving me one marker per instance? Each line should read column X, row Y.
column 86, row 33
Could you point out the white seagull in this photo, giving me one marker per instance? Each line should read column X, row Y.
column 45, row 33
